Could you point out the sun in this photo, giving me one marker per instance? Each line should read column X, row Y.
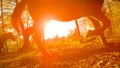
column 56, row 28
column 62, row 29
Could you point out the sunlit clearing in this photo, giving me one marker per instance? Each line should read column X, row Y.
column 85, row 25
column 62, row 29
column 57, row 28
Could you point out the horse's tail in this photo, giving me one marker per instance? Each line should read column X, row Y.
column 16, row 16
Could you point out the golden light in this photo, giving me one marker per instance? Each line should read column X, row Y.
column 85, row 25
column 62, row 29
column 57, row 28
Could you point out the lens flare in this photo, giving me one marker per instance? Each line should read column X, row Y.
column 62, row 29
column 57, row 28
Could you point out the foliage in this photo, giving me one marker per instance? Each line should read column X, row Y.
column 67, row 57
column 116, row 18
column 112, row 11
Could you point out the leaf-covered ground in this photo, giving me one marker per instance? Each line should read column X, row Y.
column 66, row 57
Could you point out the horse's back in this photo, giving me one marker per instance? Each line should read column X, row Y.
column 64, row 9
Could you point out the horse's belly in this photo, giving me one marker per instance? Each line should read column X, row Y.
column 63, row 12
column 72, row 13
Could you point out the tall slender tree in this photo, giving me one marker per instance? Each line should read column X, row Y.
column 2, row 15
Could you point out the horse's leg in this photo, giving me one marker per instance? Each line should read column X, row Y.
column 1, row 44
column 106, row 24
column 96, row 24
column 26, row 41
column 39, row 37
column 0, row 50
column 5, row 48
column 78, row 30
column 27, row 32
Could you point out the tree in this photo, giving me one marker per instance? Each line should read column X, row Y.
column 2, row 15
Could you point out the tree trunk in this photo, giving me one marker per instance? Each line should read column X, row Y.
column 2, row 15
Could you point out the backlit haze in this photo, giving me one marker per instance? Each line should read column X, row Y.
column 62, row 29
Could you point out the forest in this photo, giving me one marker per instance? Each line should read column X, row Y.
column 70, row 47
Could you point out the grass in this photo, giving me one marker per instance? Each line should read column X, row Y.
column 86, row 55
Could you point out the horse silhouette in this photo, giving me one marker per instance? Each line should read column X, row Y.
column 62, row 10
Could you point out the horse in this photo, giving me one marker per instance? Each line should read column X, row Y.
column 3, row 39
column 61, row 10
